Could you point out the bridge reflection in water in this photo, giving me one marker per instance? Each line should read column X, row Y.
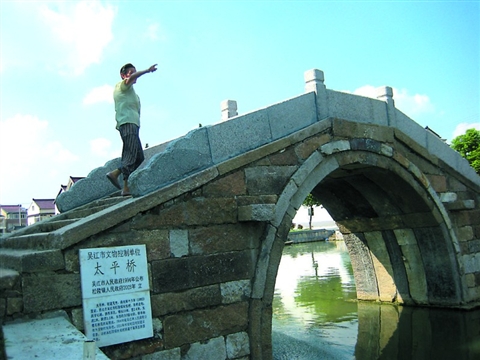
column 316, row 316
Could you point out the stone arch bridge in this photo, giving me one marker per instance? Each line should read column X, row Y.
column 214, row 209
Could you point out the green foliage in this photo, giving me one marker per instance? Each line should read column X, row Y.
column 310, row 201
column 468, row 145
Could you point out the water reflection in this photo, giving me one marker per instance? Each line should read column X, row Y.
column 315, row 316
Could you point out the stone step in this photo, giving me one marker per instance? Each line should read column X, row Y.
column 50, row 338
column 8, row 278
column 28, row 241
column 25, row 260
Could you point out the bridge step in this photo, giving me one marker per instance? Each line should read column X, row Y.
column 8, row 278
column 52, row 338
column 31, row 260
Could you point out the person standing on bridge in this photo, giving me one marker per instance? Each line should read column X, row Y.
column 127, row 115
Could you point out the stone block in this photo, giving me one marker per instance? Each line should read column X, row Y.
column 256, row 212
column 231, row 138
column 48, row 292
column 237, row 345
column 308, row 146
column 179, row 274
column 8, row 278
column 170, row 303
column 448, row 197
column 267, row 179
column 201, row 325
column 356, row 108
column 230, row 185
column 219, row 268
column 170, row 275
column 223, row 238
column 179, row 243
column 170, row 354
column 412, row 131
column 235, row 291
column 211, row 349
column 182, row 157
column 77, row 318
column 335, row 146
column 284, row 157
column 465, row 233
column 32, row 260
column 438, row 183
column 14, row 305
column 307, row 167
column 292, row 115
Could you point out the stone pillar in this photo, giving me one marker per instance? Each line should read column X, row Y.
column 385, row 93
column 314, row 81
column 229, row 109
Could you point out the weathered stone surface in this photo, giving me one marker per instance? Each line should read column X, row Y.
column 441, row 277
column 14, row 305
column 211, row 349
column 237, row 345
column 235, row 291
column 363, row 266
column 307, row 147
column 182, row 157
column 170, row 354
column 267, row 179
column 179, row 243
column 382, row 265
column 8, row 278
column 223, row 238
column 201, row 325
column 169, row 303
column 48, row 292
column 284, row 157
column 256, row 212
column 438, row 182
column 221, row 268
column 32, row 260
column 178, row 274
column 230, row 185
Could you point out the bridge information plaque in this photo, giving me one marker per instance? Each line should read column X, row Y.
column 115, row 294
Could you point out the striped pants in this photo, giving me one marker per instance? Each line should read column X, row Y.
column 132, row 152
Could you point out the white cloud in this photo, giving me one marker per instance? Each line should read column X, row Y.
column 83, row 29
column 463, row 127
column 412, row 105
column 101, row 147
column 154, row 32
column 99, row 94
column 33, row 160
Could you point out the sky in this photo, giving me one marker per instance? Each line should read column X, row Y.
column 59, row 61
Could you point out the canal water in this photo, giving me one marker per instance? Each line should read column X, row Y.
column 316, row 316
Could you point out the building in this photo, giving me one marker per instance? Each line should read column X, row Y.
column 40, row 209
column 12, row 217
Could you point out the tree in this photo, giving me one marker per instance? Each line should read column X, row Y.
column 310, row 201
column 468, row 145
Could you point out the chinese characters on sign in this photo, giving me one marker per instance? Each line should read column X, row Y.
column 116, row 294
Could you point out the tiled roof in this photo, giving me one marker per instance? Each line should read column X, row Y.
column 45, row 203
column 11, row 208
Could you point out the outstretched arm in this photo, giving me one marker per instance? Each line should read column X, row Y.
column 137, row 74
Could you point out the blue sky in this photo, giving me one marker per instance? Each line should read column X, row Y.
column 59, row 61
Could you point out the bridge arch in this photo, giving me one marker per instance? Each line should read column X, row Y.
column 396, row 228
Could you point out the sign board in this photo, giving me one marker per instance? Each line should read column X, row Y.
column 115, row 294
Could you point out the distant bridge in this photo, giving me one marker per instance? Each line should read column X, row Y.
column 214, row 209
